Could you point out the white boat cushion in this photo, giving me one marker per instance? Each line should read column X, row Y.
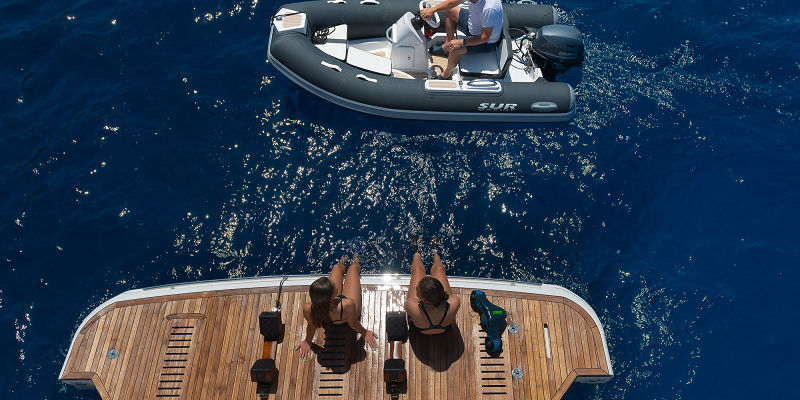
column 368, row 61
column 336, row 43
column 480, row 63
column 287, row 20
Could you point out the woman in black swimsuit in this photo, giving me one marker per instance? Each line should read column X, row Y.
column 429, row 297
column 334, row 302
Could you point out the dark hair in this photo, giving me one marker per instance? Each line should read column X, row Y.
column 321, row 292
column 432, row 291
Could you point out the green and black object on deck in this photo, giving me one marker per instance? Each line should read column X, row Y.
column 493, row 319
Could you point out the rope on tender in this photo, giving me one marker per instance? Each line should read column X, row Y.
column 321, row 36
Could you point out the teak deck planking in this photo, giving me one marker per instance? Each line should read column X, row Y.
column 221, row 331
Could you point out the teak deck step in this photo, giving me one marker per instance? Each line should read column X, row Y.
column 198, row 341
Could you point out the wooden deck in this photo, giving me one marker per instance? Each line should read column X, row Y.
column 200, row 346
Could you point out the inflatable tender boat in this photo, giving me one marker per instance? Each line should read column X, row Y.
column 373, row 56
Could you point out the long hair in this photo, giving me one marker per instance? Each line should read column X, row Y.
column 432, row 291
column 321, row 292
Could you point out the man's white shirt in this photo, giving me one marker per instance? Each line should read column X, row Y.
column 486, row 14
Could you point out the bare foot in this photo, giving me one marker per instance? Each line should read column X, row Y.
column 415, row 239
column 435, row 245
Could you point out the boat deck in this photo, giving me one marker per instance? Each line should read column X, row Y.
column 201, row 345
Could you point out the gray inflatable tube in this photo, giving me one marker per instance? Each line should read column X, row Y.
column 295, row 55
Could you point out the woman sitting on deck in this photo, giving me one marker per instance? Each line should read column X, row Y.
column 335, row 301
column 429, row 297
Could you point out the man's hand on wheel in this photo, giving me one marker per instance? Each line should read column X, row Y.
column 426, row 13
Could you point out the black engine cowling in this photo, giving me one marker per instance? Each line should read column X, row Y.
column 560, row 46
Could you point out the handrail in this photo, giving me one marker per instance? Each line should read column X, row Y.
column 366, row 78
column 331, row 66
column 477, row 82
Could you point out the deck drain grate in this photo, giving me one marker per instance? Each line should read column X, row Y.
column 172, row 374
column 492, row 369
column 332, row 360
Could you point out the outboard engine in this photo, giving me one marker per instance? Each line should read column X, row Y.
column 559, row 46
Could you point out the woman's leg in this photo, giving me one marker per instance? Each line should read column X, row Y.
column 417, row 273
column 352, row 285
column 438, row 272
column 337, row 275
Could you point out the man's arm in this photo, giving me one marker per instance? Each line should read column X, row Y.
column 486, row 33
column 427, row 13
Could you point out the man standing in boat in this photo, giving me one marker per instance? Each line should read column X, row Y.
column 483, row 24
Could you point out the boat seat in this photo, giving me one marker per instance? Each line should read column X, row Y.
column 394, row 367
column 269, row 323
column 490, row 64
column 480, row 64
column 335, row 42
column 368, row 61
column 396, row 326
column 263, row 371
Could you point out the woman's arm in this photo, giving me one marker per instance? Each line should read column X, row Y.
column 369, row 336
column 305, row 345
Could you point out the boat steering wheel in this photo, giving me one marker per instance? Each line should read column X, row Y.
column 434, row 21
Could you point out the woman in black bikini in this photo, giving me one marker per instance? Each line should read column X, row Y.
column 429, row 297
column 334, row 302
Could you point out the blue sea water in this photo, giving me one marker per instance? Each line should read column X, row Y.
column 144, row 143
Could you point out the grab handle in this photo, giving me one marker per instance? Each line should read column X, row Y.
column 332, row 66
column 366, row 78
column 482, row 83
column 544, row 106
column 370, row 2
column 389, row 33
column 337, row 2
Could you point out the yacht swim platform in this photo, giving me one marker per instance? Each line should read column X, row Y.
column 198, row 341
